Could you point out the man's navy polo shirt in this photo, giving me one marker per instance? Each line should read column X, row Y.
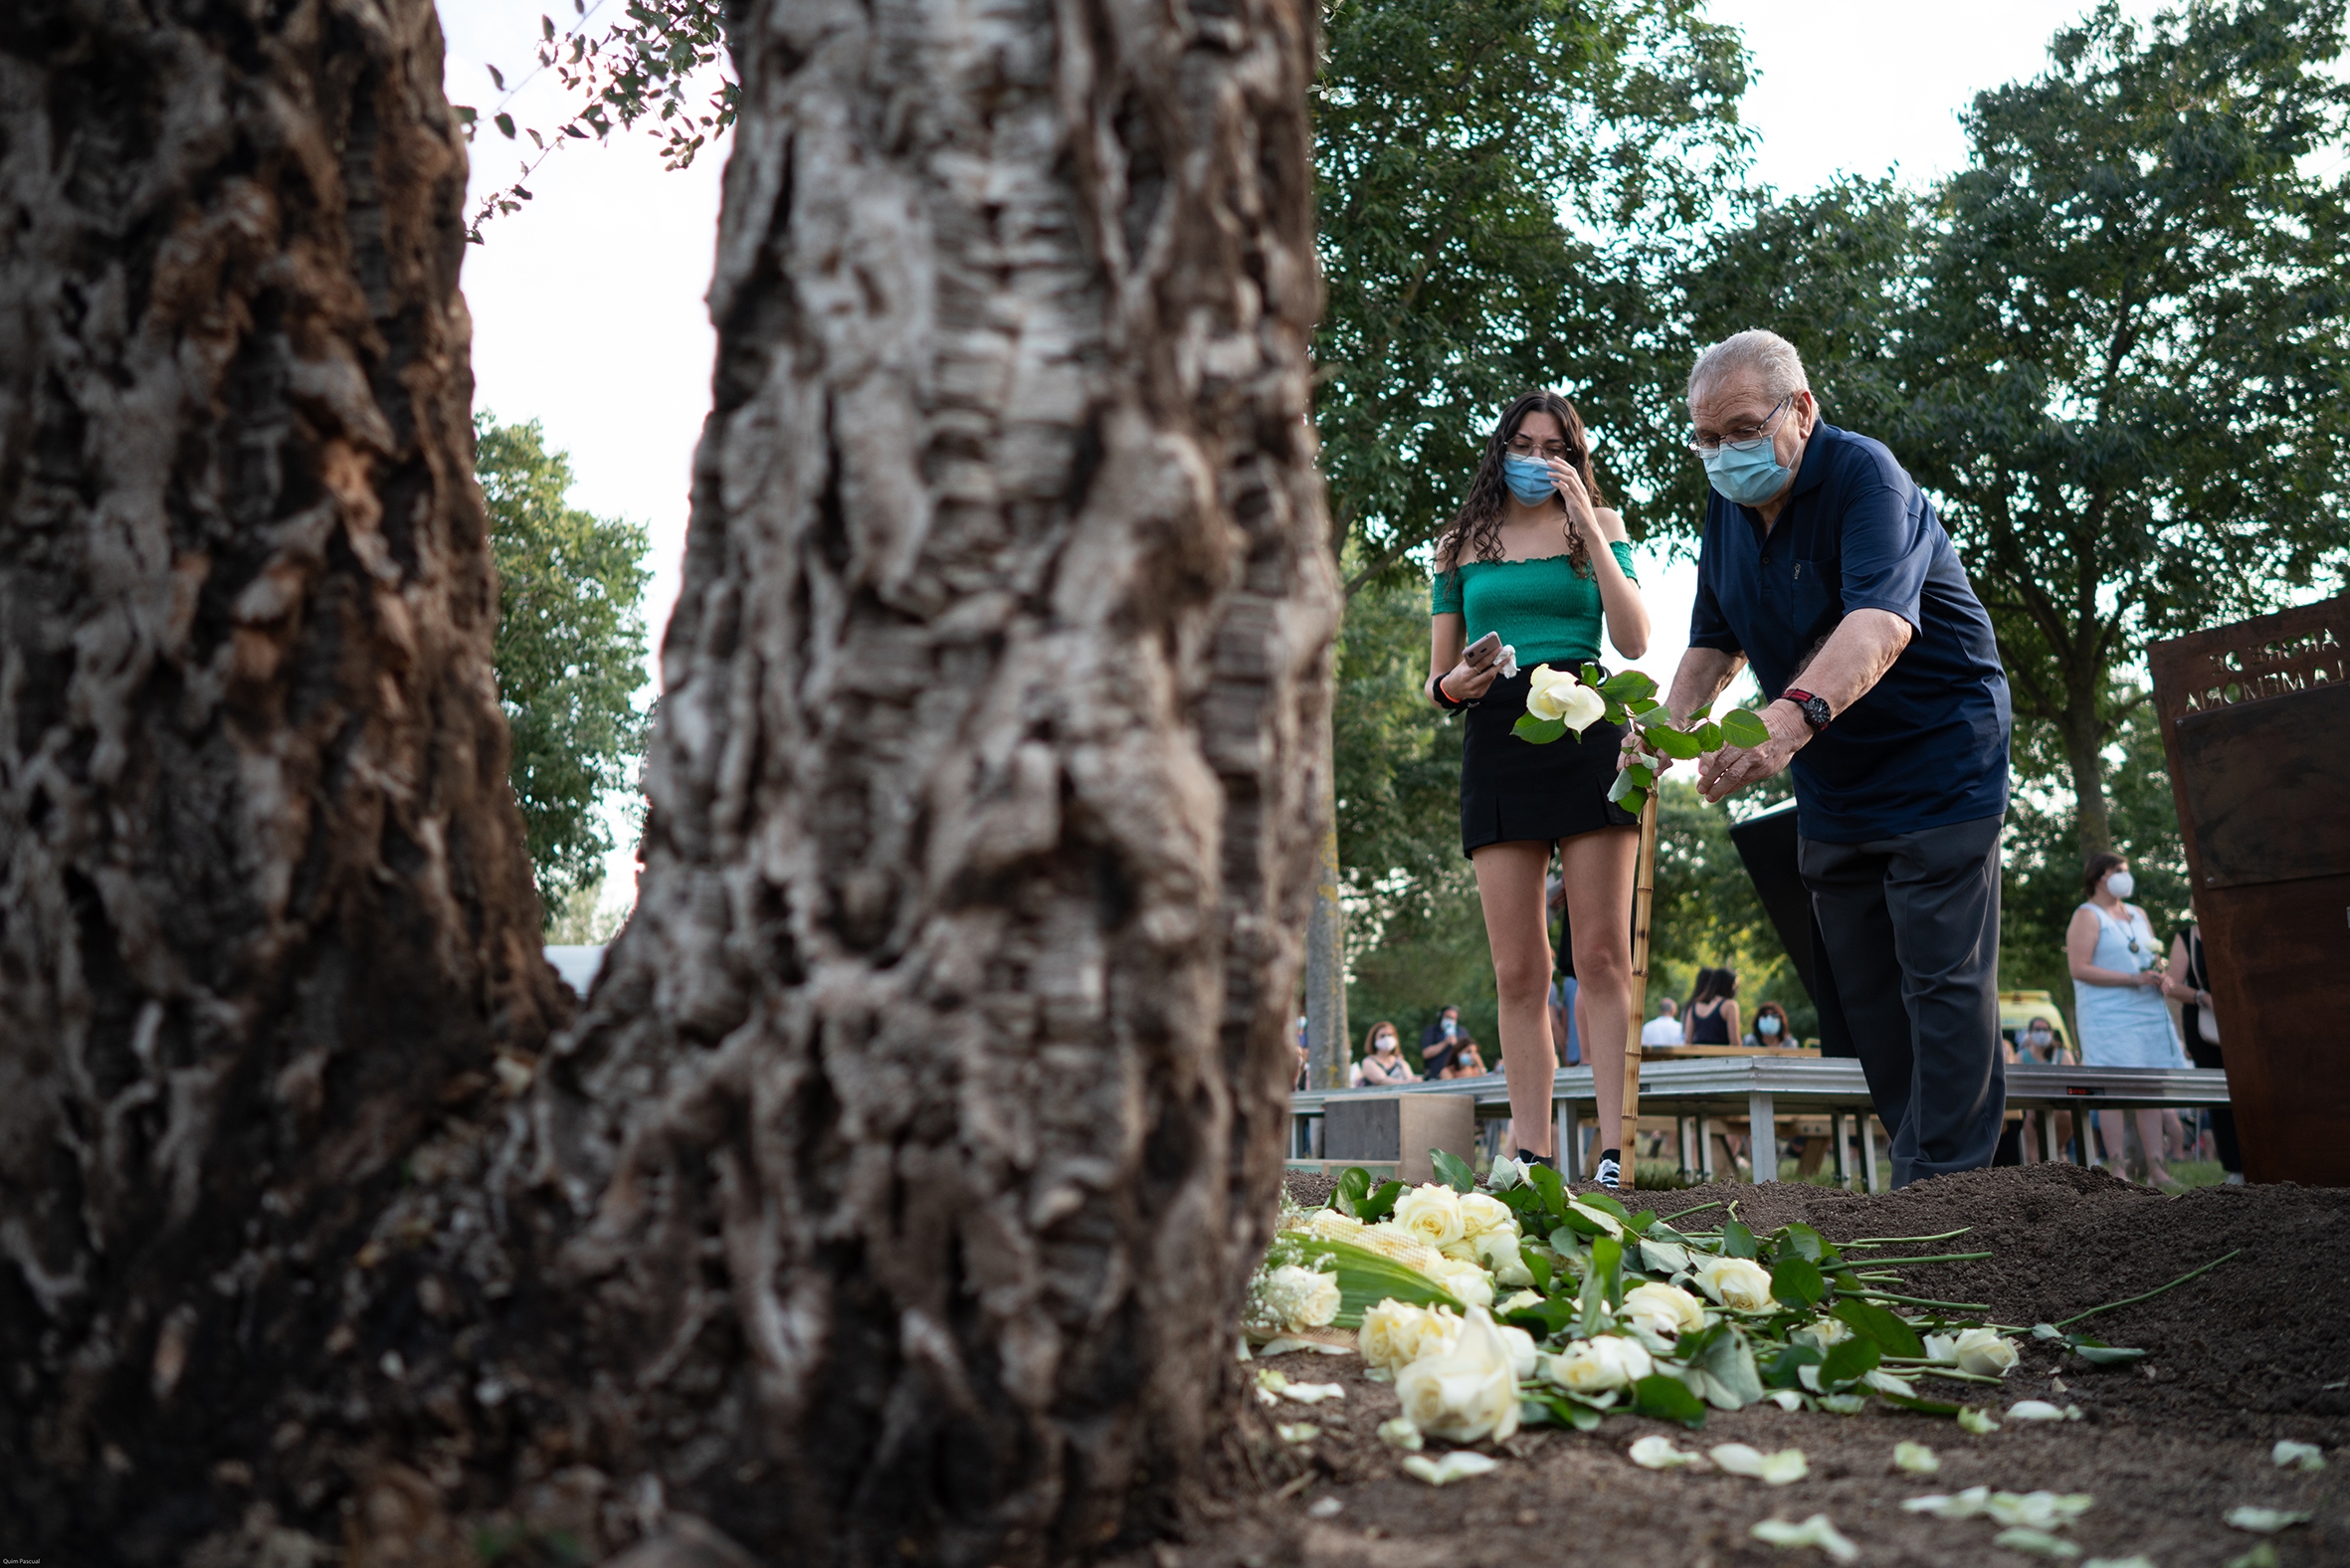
column 1925, row 746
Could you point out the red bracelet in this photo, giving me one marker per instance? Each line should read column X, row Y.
column 1445, row 700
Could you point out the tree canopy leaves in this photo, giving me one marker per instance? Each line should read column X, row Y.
column 569, row 655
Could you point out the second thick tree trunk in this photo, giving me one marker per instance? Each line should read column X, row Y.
column 939, row 1079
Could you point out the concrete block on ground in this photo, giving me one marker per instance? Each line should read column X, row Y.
column 1399, row 1127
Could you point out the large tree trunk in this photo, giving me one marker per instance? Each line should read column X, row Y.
column 930, row 1108
column 264, row 909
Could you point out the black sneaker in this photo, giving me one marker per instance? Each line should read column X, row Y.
column 1611, row 1170
column 1529, row 1158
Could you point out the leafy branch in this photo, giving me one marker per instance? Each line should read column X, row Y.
column 1564, row 703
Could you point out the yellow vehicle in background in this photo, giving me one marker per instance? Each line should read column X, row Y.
column 2017, row 1009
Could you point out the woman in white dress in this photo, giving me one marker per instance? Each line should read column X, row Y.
column 2117, row 996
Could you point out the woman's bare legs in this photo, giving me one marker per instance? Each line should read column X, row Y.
column 2109, row 1125
column 1510, row 883
column 1597, row 869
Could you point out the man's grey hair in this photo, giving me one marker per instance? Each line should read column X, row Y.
column 1764, row 355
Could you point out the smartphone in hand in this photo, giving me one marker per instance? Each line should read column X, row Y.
column 1485, row 647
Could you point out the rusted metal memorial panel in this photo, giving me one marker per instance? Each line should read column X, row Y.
column 2256, row 720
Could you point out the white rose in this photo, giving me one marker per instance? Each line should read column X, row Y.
column 1738, row 1283
column 1464, row 1283
column 1593, row 1366
column 1941, row 1347
column 1522, row 1353
column 1296, row 1298
column 1429, row 1214
column 1494, row 1249
column 1985, row 1352
column 1825, row 1331
column 1554, row 693
column 1665, row 1309
column 1480, row 1212
column 1467, row 1392
column 1397, row 1333
column 1462, row 1251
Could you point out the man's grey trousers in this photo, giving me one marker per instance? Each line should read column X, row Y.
column 1911, row 922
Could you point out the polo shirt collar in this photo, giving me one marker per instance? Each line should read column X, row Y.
column 1811, row 475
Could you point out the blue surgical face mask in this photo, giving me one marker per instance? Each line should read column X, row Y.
column 1528, row 480
column 1749, row 476
column 1766, row 1025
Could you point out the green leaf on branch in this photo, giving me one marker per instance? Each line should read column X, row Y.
column 1629, row 685
column 1847, row 1360
column 2099, row 1353
column 1547, row 1409
column 1453, row 1171
column 1740, row 727
column 1736, row 1240
column 1874, row 1323
column 1539, row 732
column 1546, row 1181
column 1787, row 1363
column 1668, row 1398
column 1380, row 1204
column 1353, row 1186
column 1592, row 676
column 1709, row 736
column 1798, row 1239
column 1797, row 1281
column 1633, row 781
column 1678, row 744
column 1537, row 1263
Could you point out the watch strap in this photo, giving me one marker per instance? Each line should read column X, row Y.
column 1813, row 707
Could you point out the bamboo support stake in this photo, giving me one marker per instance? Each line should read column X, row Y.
column 1644, row 894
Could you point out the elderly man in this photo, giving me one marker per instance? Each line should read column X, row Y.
column 1824, row 567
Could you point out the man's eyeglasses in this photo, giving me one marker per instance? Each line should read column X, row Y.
column 1745, row 437
column 1546, row 450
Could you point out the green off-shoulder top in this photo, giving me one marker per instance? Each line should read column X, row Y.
column 1540, row 607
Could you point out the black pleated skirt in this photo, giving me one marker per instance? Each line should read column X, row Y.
column 1514, row 789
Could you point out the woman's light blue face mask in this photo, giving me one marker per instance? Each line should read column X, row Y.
column 1528, row 478
column 1766, row 1025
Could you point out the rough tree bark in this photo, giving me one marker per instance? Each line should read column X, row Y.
column 930, row 1110
column 265, row 908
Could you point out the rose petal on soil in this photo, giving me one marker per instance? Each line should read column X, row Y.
column 1324, row 1508
column 1656, row 1452
column 2266, row 1521
column 2289, row 1454
column 2134, row 1560
column 1401, row 1433
column 2040, row 1544
column 1458, row 1464
column 1963, row 1505
column 1916, row 1459
column 1772, row 1470
column 2038, row 1511
column 1814, row 1531
column 2042, row 1409
column 1298, row 1432
column 1976, row 1421
column 1314, row 1393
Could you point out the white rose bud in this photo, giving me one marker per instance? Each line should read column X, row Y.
column 1397, row 1333
column 1737, row 1283
column 1431, row 1215
column 1554, row 693
column 1523, row 1354
column 1985, row 1352
column 1465, row 1282
column 1480, row 1212
column 1467, row 1392
column 1598, row 1364
column 1665, row 1309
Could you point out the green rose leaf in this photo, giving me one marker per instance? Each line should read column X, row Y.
column 1784, row 1367
column 1537, row 1410
column 2099, row 1353
column 1453, row 1171
column 1590, row 676
column 1380, row 1204
column 1847, row 1359
column 1736, row 1240
column 1797, row 1281
column 1709, row 736
column 1545, row 1181
column 1675, row 743
column 1538, row 732
column 1668, row 1398
column 1644, row 707
column 1798, row 1239
column 1537, row 1263
column 1740, row 727
column 1630, row 686
column 1354, row 1185
column 1874, row 1323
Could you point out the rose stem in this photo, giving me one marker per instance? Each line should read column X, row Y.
column 1886, row 1241
column 1946, row 1258
column 1700, row 1209
column 1919, row 1300
column 2149, row 1296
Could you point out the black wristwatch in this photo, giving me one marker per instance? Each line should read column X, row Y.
column 1814, row 708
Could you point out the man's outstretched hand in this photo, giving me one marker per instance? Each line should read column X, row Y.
column 1721, row 774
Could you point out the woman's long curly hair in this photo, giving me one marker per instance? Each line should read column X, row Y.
column 1475, row 533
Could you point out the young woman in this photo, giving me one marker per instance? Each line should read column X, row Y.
column 2117, row 996
column 1770, row 1028
column 1382, row 1063
column 1534, row 556
column 1712, row 1015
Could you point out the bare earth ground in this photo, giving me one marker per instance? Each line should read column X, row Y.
column 2255, row 1350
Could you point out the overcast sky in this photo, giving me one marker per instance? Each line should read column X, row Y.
column 588, row 309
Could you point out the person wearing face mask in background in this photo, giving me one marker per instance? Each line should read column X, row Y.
column 1382, row 1063
column 1770, row 1029
column 2117, row 997
column 1824, row 567
column 1535, row 564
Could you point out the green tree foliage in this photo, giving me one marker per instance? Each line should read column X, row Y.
column 570, row 651
column 2127, row 373
column 1501, row 186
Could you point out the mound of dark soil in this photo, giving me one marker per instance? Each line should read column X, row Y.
column 2257, row 1349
